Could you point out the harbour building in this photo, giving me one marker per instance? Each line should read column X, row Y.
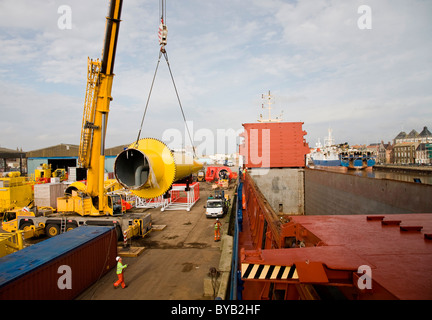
column 413, row 147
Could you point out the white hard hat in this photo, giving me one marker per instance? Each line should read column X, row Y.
column 118, row 258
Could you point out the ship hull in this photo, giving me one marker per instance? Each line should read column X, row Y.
column 327, row 163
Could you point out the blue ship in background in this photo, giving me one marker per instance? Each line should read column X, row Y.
column 329, row 155
column 357, row 159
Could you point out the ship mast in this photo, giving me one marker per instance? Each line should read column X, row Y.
column 270, row 101
column 329, row 141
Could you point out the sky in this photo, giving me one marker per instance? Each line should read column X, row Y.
column 364, row 72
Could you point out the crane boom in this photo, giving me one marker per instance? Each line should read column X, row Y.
column 89, row 112
column 95, row 173
column 95, row 115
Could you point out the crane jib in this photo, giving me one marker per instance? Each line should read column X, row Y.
column 111, row 36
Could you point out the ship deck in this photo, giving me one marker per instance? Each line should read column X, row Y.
column 398, row 248
column 332, row 250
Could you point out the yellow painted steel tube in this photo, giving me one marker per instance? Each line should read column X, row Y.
column 149, row 168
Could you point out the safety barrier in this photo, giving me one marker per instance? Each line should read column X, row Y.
column 180, row 199
column 149, row 203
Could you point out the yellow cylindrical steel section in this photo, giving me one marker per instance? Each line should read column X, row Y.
column 149, row 168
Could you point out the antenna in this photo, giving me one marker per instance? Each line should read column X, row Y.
column 270, row 101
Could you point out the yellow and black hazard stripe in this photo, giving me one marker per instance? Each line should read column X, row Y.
column 268, row 272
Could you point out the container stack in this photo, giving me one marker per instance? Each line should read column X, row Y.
column 46, row 194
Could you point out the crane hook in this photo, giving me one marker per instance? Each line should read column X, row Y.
column 163, row 30
column 163, row 33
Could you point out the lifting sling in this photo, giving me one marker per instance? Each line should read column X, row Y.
column 162, row 36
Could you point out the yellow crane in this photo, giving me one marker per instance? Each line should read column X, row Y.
column 91, row 198
column 158, row 166
column 148, row 167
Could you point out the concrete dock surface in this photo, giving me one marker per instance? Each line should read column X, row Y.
column 175, row 261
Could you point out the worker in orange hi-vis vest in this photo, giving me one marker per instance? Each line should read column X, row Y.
column 120, row 271
column 217, row 227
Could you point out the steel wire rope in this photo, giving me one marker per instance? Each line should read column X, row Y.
column 162, row 13
column 162, row 10
column 178, row 98
column 148, row 99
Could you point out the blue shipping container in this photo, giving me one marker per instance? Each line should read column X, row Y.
column 60, row 267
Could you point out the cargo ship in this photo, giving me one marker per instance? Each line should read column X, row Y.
column 306, row 234
column 326, row 157
column 329, row 156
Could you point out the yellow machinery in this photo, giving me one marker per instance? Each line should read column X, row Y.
column 92, row 198
column 44, row 173
column 42, row 220
column 92, row 203
column 10, row 243
column 27, row 230
column 15, row 191
column 60, row 173
column 149, row 168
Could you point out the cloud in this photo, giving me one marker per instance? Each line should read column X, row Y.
column 31, row 119
column 322, row 69
column 347, row 75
